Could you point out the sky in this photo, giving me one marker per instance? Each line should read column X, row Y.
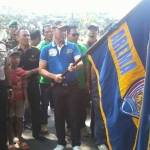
column 116, row 8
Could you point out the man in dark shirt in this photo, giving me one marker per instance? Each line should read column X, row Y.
column 29, row 61
column 35, row 36
column 93, row 32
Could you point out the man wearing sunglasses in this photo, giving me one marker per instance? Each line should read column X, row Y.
column 73, row 36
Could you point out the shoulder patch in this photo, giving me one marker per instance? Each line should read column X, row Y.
column 68, row 51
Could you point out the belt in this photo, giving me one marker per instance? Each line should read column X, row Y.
column 64, row 84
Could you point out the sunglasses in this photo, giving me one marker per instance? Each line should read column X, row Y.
column 75, row 34
column 91, row 36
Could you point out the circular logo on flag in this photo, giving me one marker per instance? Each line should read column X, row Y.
column 133, row 100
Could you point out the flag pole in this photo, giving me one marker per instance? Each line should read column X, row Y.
column 106, row 34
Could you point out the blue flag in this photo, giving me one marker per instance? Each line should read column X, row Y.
column 143, row 141
column 119, row 61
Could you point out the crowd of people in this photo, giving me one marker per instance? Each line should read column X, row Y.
column 33, row 76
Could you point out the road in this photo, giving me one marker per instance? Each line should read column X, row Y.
column 50, row 142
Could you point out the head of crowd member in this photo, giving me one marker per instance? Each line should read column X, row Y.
column 93, row 32
column 48, row 32
column 12, row 29
column 23, row 37
column 60, row 32
column 35, row 37
column 14, row 58
column 72, row 34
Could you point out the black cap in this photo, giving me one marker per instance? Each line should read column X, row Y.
column 93, row 27
column 13, row 23
column 60, row 25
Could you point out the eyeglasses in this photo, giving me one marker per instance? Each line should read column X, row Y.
column 75, row 34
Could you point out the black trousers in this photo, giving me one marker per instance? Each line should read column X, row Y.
column 97, row 125
column 46, row 97
column 66, row 105
column 34, row 100
column 84, row 103
column 3, row 116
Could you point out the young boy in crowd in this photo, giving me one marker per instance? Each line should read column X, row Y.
column 17, row 79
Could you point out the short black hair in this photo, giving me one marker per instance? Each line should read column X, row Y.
column 20, row 29
column 93, row 28
column 34, row 34
column 71, row 27
column 45, row 26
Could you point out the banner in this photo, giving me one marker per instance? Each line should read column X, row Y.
column 119, row 62
column 143, row 140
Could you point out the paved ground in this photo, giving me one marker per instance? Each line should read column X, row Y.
column 50, row 142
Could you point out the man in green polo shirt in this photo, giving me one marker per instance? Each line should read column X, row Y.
column 73, row 36
column 48, row 35
column 44, row 82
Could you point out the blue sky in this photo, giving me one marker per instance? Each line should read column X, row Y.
column 117, row 8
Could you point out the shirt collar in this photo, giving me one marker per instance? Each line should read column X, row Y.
column 54, row 44
column 46, row 41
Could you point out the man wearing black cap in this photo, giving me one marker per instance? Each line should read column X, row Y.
column 97, row 127
column 55, row 58
column 11, row 41
column 93, row 32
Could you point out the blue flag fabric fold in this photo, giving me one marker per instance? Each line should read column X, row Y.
column 119, row 62
column 143, row 142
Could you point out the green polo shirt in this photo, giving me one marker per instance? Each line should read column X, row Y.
column 82, row 71
column 41, row 45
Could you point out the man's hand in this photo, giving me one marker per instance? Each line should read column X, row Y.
column 72, row 68
column 58, row 78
